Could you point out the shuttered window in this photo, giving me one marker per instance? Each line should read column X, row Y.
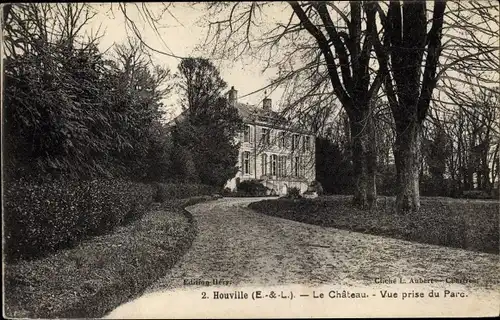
column 246, row 134
column 246, row 162
column 282, row 140
column 273, row 164
column 264, row 164
column 306, row 143
column 295, row 142
column 296, row 167
column 265, row 137
column 282, row 166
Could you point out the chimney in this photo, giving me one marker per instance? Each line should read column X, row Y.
column 233, row 96
column 266, row 103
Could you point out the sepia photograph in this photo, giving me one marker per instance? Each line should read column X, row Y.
column 212, row 160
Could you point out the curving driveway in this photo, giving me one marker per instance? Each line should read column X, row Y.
column 240, row 247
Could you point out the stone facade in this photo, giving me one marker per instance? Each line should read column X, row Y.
column 272, row 149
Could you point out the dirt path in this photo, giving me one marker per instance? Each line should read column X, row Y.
column 242, row 247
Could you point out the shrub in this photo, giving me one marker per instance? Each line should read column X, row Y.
column 431, row 186
column 165, row 191
column 316, row 186
column 293, row 193
column 252, row 188
column 494, row 193
column 471, row 225
column 227, row 192
column 386, row 180
column 102, row 273
column 47, row 216
column 476, row 194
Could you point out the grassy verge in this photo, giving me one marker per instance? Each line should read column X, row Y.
column 466, row 224
column 97, row 275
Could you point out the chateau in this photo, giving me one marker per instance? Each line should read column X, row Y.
column 272, row 150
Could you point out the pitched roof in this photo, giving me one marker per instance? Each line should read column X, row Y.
column 252, row 113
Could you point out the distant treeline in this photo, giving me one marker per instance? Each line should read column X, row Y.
column 459, row 154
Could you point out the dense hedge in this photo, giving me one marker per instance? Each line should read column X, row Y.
column 48, row 216
column 252, row 188
column 479, row 194
column 294, row 193
column 470, row 225
column 165, row 191
column 96, row 276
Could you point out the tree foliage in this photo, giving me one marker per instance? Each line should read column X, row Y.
column 69, row 109
column 333, row 167
column 200, row 85
column 207, row 127
column 405, row 46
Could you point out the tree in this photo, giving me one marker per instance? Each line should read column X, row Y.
column 200, row 85
column 472, row 130
column 413, row 55
column 405, row 46
column 183, row 165
column 49, row 114
column 158, row 159
column 209, row 123
column 436, row 150
column 148, row 15
column 138, row 88
column 69, row 110
column 355, row 91
column 333, row 167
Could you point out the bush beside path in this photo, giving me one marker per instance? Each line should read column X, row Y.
column 100, row 273
column 456, row 223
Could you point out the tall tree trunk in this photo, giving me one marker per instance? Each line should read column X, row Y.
column 401, row 51
column 470, row 175
column 371, row 161
column 359, row 168
column 485, row 168
column 407, row 155
column 364, row 160
column 494, row 166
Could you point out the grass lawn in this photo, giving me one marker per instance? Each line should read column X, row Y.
column 458, row 223
column 101, row 273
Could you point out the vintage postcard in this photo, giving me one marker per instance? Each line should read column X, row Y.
column 250, row 159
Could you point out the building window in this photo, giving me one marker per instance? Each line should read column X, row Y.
column 306, row 143
column 295, row 142
column 282, row 166
column 282, row 140
column 273, row 164
column 247, row 168
column 296, row 167
column 264, row 164
column 246, row 134
column 266, row 136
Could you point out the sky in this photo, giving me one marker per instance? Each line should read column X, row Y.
column 181, row 35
